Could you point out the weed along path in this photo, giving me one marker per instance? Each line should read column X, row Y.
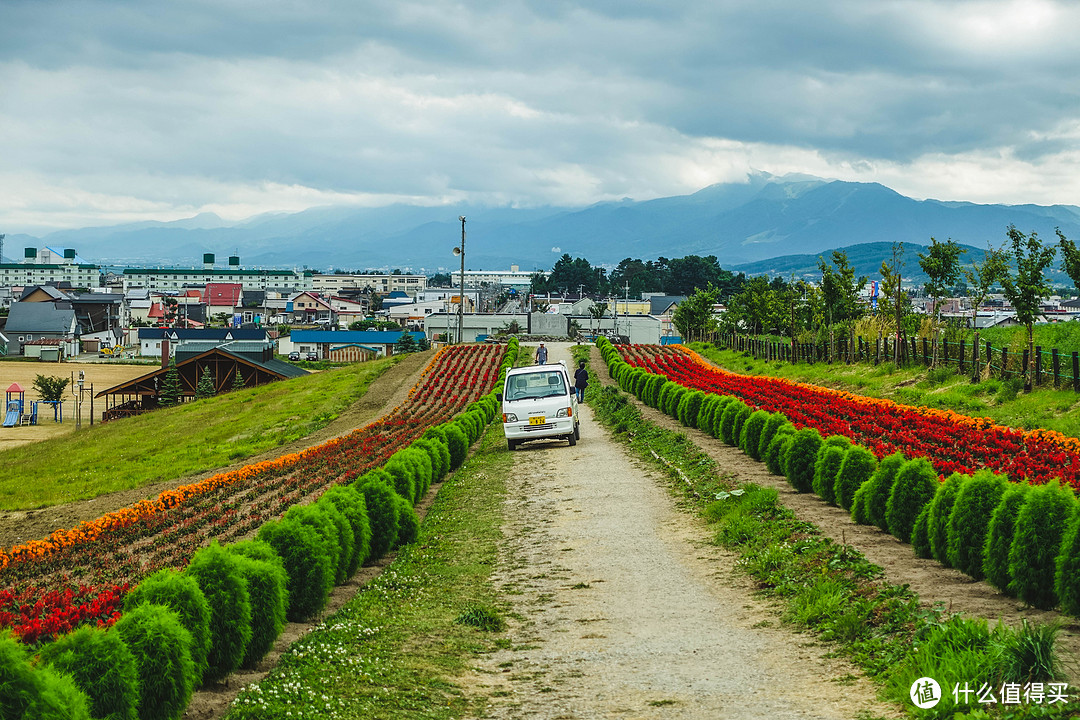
column 621, row 607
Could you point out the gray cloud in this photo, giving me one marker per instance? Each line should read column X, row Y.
column 187, row 105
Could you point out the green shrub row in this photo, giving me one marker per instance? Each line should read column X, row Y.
column 225, row 610
column 1024, row 540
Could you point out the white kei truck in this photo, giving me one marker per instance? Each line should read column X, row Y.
column 539, row 402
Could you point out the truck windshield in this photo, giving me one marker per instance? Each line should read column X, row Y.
column 535, row 385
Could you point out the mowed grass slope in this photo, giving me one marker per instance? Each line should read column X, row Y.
column 172, row 443
column 1001, row 400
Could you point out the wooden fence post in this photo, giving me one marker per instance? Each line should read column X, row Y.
column 1038, row 365
column 962, row 350
column 974, row 361
column 1004, row 363
column 1076, row 370
column 1056, row 362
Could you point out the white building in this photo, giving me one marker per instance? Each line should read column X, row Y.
column 382, row 284
column 47, row 265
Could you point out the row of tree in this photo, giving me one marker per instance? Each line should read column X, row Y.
column 632, row 277
column 797, row 309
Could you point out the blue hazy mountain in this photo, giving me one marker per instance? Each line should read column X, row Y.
column 740, row 223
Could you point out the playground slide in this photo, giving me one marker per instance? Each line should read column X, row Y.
column 12, row 418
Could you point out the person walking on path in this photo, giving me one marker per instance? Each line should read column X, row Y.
column 541, row 354
column 581, row 380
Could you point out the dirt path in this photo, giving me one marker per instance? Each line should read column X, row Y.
column 622, row 608
column 933, row 582
column 386, row 393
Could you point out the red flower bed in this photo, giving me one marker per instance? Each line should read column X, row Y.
column 952, row 442
column 37, row 614
column 119, row 549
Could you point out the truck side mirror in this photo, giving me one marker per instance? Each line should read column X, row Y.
column 498, row 397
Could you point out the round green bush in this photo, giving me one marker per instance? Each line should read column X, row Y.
column 689, row 407
column 750, row 438
column 308, row 566
column 162, row 650
column 879, row 489
column 458, row 444
column 800, row 457
column 438, row 455
column 778, row 449
column 350, row 502
column 826, row 468
column 914, row 487
column 773, row 423
column 181, row 594
column 970, row 520
column 334, row 529
column 1037, row 540
column 379, row 501
column 1067, row 570
column 860, row 510
column 742, row 414
column 941, row 507
column 218, row 573
column 718, row 415
column 705, row 412
column 727, row 421
column 857, row 467
column 264, row 574
column 920, row 534
column 403, row 474
column 38, row 693
column 999, row 536
column 408, row 522
column 674, row 398
column 656, row 388
column 662, row 396
column 101, row 666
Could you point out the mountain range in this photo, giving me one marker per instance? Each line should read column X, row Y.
column 747, row 226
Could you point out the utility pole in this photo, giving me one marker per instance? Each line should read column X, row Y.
column 461, row 297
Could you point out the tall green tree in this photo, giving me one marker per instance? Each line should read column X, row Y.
column 170, row 387
column 694, row 317
column 1070, row 257
column 570, row 275
column 686, row 275
column 1026, row 288
column 893, row 300
column 840, row 293
column 941, row 263
column 205, row 386
column 981, row 278
column 51, row 387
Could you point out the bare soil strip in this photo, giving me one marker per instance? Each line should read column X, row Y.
column 623, row 608
column 933, row 582
column 383, row 395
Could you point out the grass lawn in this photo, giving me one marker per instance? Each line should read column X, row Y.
column 172, row 443
column 1002, row 401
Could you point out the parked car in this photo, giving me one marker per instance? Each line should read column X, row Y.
column 294, row 356
column 312, row 357
column 539, row 402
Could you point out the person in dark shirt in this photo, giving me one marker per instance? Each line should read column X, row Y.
column 581, row 380
column 541, row 354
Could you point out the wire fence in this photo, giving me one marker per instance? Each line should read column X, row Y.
column 1050, row 368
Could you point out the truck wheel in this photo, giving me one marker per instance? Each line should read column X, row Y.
column 572, row 438
column 577, row 431
column 511, row 445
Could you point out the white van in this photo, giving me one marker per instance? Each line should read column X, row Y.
column 539, row 402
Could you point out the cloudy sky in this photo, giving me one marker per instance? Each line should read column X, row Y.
column 115, row 111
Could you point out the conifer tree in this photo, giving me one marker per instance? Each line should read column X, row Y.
column 170, row 389
column 205, row 388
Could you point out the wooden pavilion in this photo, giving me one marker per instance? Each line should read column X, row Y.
column 144, row 393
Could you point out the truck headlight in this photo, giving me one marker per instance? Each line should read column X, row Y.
column 509, row 417
column 565, row 412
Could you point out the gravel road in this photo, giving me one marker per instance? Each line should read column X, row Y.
column 622, row 608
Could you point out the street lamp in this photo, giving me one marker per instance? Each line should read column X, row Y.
column 461, row 297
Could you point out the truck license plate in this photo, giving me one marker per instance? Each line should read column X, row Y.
column 537, row 420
